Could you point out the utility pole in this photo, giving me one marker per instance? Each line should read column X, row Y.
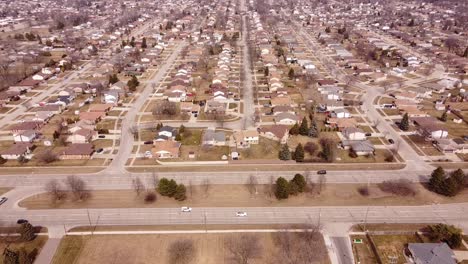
column 365, row 220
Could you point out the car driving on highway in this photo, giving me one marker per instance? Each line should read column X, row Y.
column 3, row 200
column 186, row 209
column 241, row 214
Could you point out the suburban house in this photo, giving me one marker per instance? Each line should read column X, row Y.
column 166, row 149
column 25, row 126
column 92, row 117
column 166, row 133
column 82, row 135
column 244, row 138
column 341, row 123
column 430, row 128
column 353, row 133
column 456, row 145
column 25, row 136
column 18, row 150
column 431, row 253
column 77, row 151
column 110, row 97
column 275, row 132
column 286, row 118
column 213, row 138
column 361, row 147
column 341, row 113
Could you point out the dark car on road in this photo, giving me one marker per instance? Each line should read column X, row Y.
column 21, row 221
column 391, row 141
column 322, row 172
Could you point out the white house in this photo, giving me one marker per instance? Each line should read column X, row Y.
column 353, row 133
column 342, row 113
column 26, row 136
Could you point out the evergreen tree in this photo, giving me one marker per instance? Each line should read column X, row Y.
column 266, row 71
column 313, row 130
column 437, row 180
column 294, row 130
column 299, row 153
column 113, row 79
column 300, row 181
column 180, row 193
column 39, row 39
column 143, row 43
column 284, row 153
column 304, row 128
column 446, row 233
column 281, row 188
column 23, row 257
column 459, row 177
column 10, row 257
column 178, row 137
column 291, row 73
column 27, row 232
column 167, row 187
column 133, row 83
column 132, row 42
column 181, row 129
column 404, row 124
column 465, row 54
column 443, row 117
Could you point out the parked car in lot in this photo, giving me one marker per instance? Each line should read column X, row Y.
column 391, row 141
column 102, row 136
column 368, row 134
column 322, row 172
column 241, row 214
column 3, row 200
column 149, row 142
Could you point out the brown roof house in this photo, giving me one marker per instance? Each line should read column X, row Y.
column 166, row 149
column 430, row 128
column 77, row 151
column 18, row 150
column 275, row 132
column 244, row 138
column 82, row 135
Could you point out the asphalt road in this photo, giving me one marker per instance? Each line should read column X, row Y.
column 449, row 213
column 116, row 180
column 342, row 250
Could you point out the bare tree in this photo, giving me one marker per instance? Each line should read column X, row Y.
column 78, row 187
column 181, row 252
column 190, row 188
column 244, row 248
column 47, row 156
column 303, row 247
column 252, row 184
column 386, row 85
column 55, row 190
column 137, row 185
column 154, row 179
column 206, row 187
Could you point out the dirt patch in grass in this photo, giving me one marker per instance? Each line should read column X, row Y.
column 209, row 248
column 390, row 227
column 393, row 246
column 239, row 196
column 32, row 247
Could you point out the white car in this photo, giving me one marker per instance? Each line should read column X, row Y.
column 3, row 200
column 241, row 214
column 186, row 209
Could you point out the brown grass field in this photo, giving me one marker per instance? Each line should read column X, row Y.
column 151, row 248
